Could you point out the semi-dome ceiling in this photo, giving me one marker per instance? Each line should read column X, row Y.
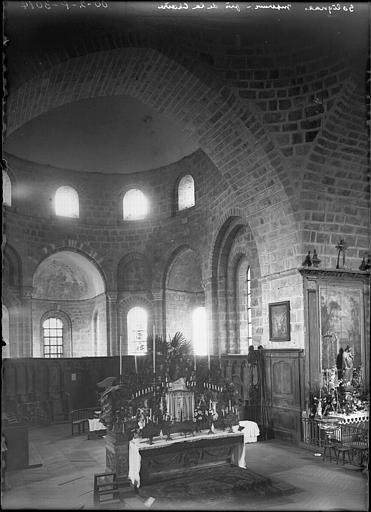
column 115, row 134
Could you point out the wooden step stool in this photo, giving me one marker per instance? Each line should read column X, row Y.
column 108, row 488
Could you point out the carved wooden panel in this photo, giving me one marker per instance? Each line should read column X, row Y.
column 282, row 378
column 158, row 463
column 284, row 384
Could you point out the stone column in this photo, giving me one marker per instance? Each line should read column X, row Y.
column 212, row 335
column 112, row 321
column 158, row 306
column 25, row 341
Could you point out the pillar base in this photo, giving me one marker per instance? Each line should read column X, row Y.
column 117, row 453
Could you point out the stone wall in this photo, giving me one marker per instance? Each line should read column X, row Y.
column 283, row 148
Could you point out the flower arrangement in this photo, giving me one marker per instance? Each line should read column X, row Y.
column 342, row 400
column 199, row 414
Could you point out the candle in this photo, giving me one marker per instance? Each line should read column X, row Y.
column 154, row 349
column 229, row 404
column 120, row 349
column 194, row 360
column 135, row 363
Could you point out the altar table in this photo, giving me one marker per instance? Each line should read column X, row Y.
column 179, row 455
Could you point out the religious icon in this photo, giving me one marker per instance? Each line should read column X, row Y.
column 279, row 321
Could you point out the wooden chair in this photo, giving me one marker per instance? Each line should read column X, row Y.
column 353, row 443
column 108, row 488
column 359, row 446
column 330, row 443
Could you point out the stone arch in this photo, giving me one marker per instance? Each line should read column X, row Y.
column 183, row 290
column 12, row 302
column 223, row 262
column 134, row 273
column 73, row 284
column 67, row 275
column 228, row 133
column 12, row 268
column 80, row 248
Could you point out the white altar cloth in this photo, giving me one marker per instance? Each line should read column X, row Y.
column 250, row 431
column 137, row 445
column 96, row 424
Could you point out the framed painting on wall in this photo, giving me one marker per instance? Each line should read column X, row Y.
column 279, row 321
column 341, row 322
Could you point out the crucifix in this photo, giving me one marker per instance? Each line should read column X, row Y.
column 341, row 246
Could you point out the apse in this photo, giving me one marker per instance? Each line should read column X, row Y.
column 69, row 307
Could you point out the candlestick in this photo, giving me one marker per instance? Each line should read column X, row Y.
column 154, row 349
column 120, row 349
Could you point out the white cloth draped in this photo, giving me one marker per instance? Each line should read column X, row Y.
column 250, row 431
column 96, row 424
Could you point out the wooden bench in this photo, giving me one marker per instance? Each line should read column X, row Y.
column 79, row 419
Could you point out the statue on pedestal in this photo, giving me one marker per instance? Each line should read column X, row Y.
column 347, row 365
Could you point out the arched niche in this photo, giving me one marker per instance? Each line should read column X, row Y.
column 183, row 291
column 71, row 283
column 134, row 274
column 234, row 252
column 12, row 268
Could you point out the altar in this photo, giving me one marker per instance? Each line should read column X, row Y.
column 165, row 459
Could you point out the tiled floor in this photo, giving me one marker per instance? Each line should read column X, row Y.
column 64, row 467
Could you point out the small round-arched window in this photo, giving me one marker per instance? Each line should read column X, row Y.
column 67, row 202
column 137, row 331
column 186, row 192
column 135, row 205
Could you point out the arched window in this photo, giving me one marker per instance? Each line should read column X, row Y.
column 243, row 303
column 7, row 189
column 67, row 202
column 53, row 337
column 135, row 205
column 199, row 331
column 137, row 331
column 5, row 352
column 186, row 192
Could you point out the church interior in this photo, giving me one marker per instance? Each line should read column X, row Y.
column 186, row 255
